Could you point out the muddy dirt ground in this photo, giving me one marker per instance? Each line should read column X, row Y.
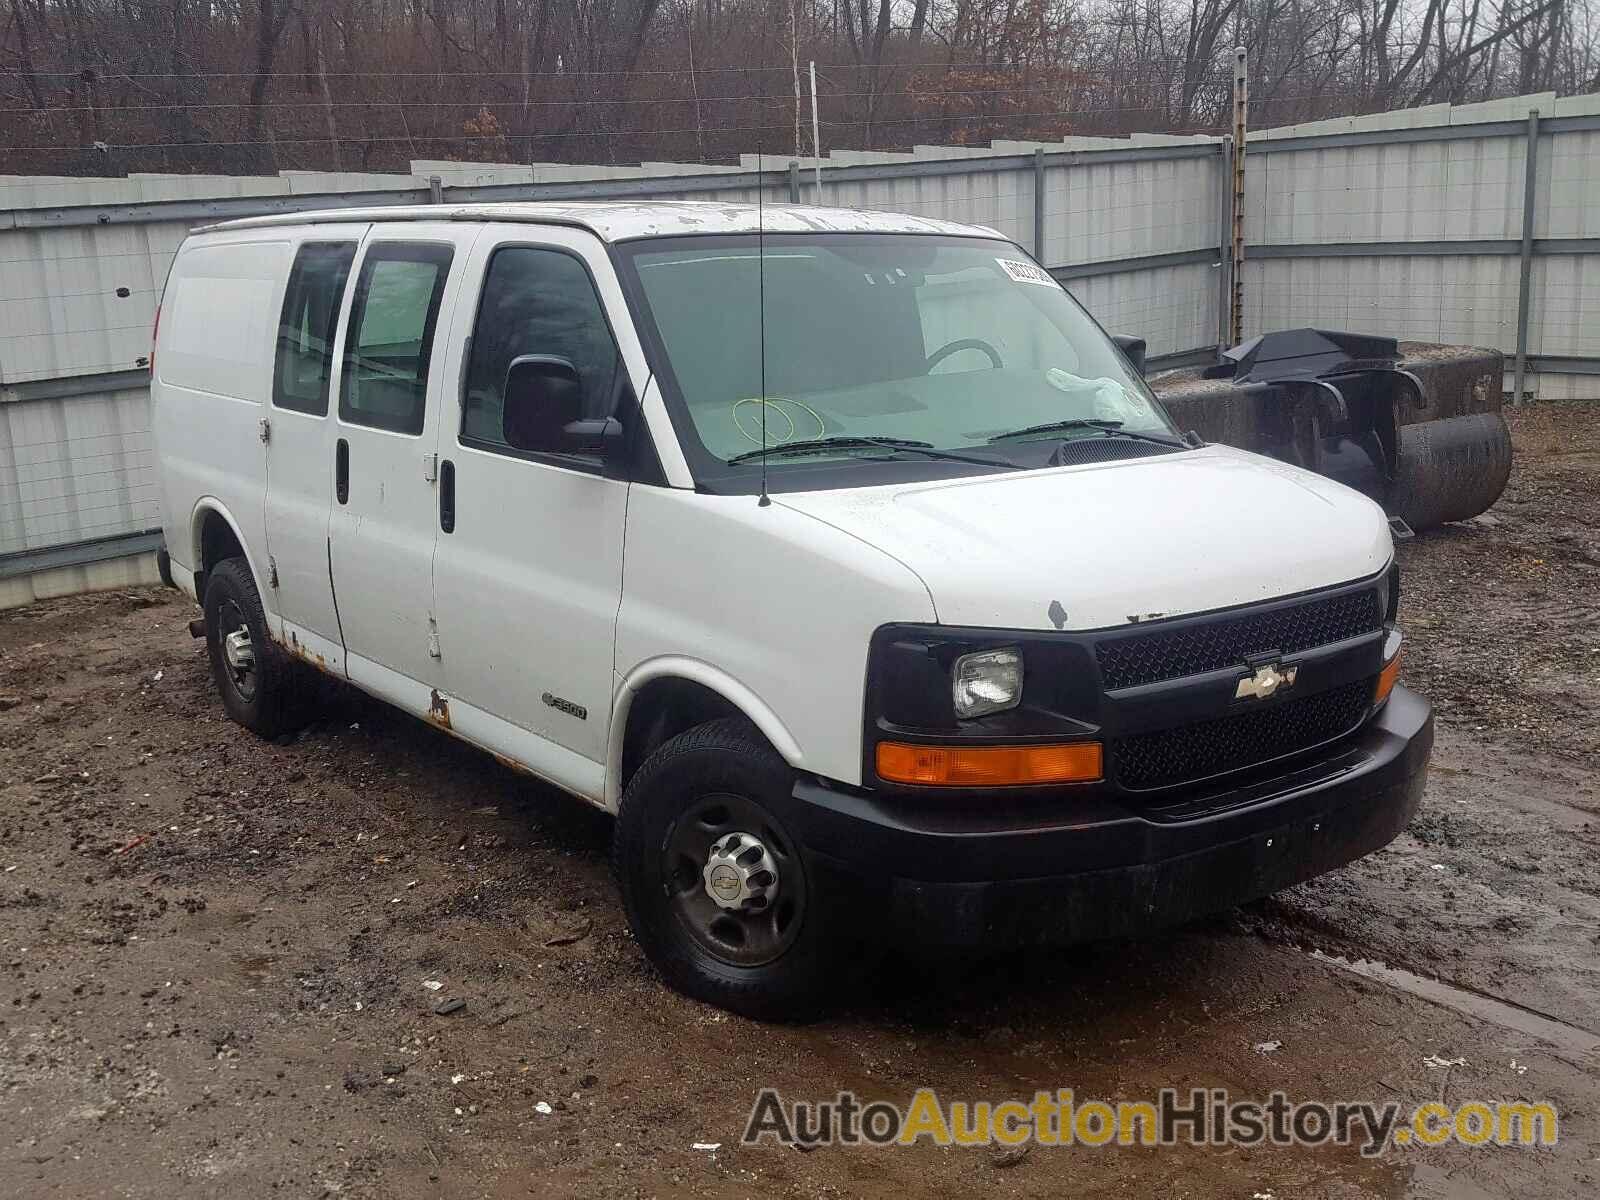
column 213, row 948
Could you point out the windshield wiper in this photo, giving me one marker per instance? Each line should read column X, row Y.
column 823, row 445
column 1106, row 428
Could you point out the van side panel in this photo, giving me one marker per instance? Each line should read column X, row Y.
column 208, row 395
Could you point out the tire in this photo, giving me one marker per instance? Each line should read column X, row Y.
column 269, row 698
column 726, row 764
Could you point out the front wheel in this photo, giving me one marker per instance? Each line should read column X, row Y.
column 716, row 888
column 262, row 688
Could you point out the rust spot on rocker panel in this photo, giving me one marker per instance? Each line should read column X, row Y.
column 512, row 764
column 304, row 653
column 439, row 710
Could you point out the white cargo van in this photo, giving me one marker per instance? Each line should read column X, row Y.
column 840, row 554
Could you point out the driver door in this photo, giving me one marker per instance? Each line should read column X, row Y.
column 528, row 568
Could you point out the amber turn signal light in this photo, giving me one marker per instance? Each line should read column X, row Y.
column 1387, row 678
column 989, row 766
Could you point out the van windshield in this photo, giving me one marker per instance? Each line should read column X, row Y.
column 955, row 344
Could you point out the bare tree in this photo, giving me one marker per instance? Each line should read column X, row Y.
column 271, row 17
column 110, row 85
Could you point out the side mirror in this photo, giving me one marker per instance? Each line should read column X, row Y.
column 543, row 410
column 1133, row 347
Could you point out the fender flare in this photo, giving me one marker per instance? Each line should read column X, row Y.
column 210, row 504
column 675, row 666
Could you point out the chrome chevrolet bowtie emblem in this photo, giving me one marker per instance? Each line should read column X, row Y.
column 1265, row 681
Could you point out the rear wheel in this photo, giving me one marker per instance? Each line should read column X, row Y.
column 262, row 688
column 717, row 890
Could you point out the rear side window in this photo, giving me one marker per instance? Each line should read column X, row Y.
column 218, row 324
column 307, row 326
column 535, row 302
column 385, row 378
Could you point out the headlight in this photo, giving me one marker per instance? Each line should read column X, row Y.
column 989, row 681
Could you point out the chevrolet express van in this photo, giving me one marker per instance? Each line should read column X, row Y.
column 840, row 554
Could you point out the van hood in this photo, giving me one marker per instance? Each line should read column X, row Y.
column 1090, row 547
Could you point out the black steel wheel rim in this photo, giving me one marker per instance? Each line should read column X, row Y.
column 738, row 938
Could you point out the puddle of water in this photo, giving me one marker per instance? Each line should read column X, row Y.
column 1474, row 1004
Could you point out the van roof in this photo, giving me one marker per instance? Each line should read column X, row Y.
column 621, row 220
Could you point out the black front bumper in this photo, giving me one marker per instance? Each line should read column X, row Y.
column 1082, row 866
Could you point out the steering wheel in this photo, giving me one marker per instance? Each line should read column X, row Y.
column 960, row 344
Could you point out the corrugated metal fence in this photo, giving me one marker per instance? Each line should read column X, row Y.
column 1411, row 224
column 1435, row 224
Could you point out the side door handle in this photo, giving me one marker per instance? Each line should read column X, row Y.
column 341, row 471
column 447, row 496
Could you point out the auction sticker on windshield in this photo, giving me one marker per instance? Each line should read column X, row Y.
column 1026, row 272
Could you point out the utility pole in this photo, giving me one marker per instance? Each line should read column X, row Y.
column 1241, row 112
column 794, row 67
column 816, row 138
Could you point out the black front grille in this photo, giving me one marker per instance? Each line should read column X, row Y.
column 1139, row 658
column 1206, row 748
